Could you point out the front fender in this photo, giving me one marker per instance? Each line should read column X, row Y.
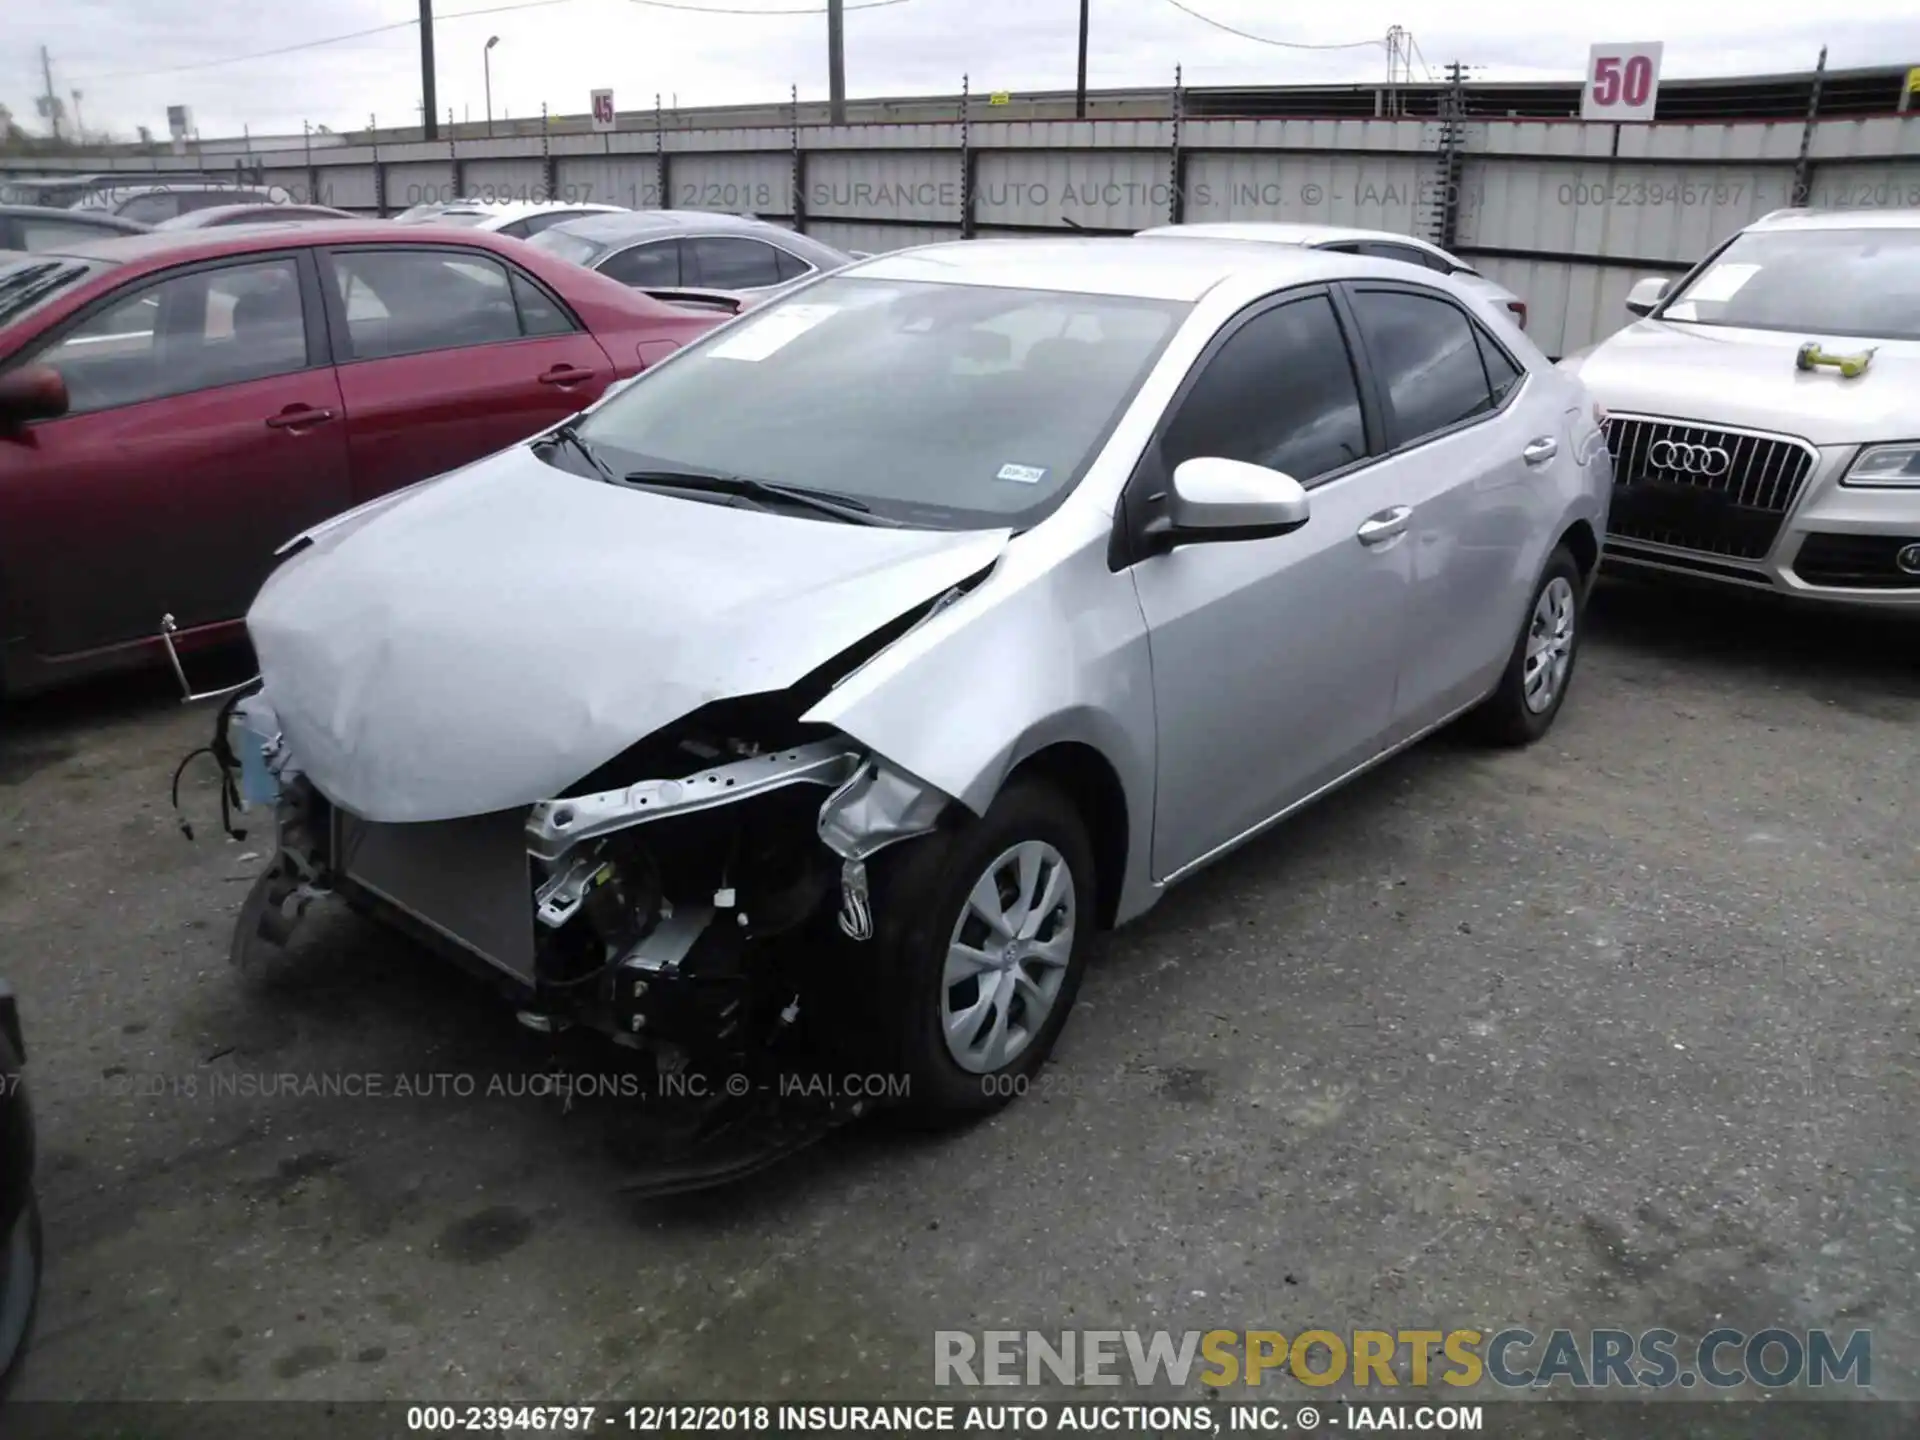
column 1051, row 648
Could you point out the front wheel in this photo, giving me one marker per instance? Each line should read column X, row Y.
column 20, row 1262
column 981, row 944
column 1534, row 685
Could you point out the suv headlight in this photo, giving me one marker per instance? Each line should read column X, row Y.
column 1886, row 465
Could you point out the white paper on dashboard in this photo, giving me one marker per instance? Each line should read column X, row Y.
column 1722, row 282
column 764, row 334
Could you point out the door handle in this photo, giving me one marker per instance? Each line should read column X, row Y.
column 1381, row 528
column 298, row 417
column 1540, row 451
column 565, row 375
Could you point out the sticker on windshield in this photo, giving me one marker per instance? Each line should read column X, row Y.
column 1720, row 283
column 764, row 334
column 1023, row 474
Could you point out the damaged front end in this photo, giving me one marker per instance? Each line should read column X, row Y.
column 696, row 898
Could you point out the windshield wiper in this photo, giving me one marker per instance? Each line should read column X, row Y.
column 569, row 434
column 28, row 284
column 841, row 507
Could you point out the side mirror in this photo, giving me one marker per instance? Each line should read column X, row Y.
column 29, row 393
column 1213, row 499
column 1646, row 294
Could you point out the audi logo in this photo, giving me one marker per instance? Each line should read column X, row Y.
column 1908, row 559
column 1708, row 460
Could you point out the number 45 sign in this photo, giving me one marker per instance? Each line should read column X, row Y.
column 603, row 110
column 1622, row 82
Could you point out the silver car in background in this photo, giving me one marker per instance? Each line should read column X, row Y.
column 848, row 669
column 1766, row 412
column 692, row 249
column 522, row 219
column 1379, row 244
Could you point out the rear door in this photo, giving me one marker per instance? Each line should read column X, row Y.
column 448, row 354
column 205, row 430
column 1459, row 439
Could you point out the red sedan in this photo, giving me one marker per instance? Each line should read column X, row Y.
column 174, row 406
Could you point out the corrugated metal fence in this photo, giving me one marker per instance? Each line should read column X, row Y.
column 1566, row 214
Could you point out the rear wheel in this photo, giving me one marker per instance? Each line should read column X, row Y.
column 1534, row 684
column 980, row 949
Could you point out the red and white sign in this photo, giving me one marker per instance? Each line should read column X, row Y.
column 603, row 110
column 1623, row 81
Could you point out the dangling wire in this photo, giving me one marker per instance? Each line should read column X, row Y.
column 222, row 752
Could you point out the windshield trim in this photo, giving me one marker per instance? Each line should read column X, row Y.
column 916, row 515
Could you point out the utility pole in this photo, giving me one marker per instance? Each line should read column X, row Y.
column 1080, row 91
column 429, row 112
column 836, row 63
column 79, row 125
column 52, row 101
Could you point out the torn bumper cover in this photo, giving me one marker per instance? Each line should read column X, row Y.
column 683, row 914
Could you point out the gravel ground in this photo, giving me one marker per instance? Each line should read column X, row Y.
column 1618, row 1031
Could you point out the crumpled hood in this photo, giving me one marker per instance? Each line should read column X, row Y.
column 491, row 638
column 1748, row 378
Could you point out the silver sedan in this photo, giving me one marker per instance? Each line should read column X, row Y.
column 846, row 671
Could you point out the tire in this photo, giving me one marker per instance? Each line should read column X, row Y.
column 922, row 903
column 249, row 942
column 1514, row 714
column 20, row 1269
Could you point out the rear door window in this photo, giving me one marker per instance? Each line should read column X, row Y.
column 404, row 302
column 734, row 262
column 1425, row 352
column 646, row 266
column 1503, row 375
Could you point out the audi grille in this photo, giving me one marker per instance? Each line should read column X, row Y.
column 1711, row 491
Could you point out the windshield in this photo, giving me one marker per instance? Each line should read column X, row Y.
column 950, row 406
column 568, row 247
column 1832, row 282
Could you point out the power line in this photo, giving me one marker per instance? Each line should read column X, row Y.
column 720, row 10
column 1264, row 40
column 255, row 54
column 455, row 15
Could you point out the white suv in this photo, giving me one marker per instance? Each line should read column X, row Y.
column 1379, row 244
column 1765, row 411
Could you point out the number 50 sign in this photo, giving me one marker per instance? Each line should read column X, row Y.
column 1622, row 82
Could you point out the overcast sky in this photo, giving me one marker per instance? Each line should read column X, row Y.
column 126, row 57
